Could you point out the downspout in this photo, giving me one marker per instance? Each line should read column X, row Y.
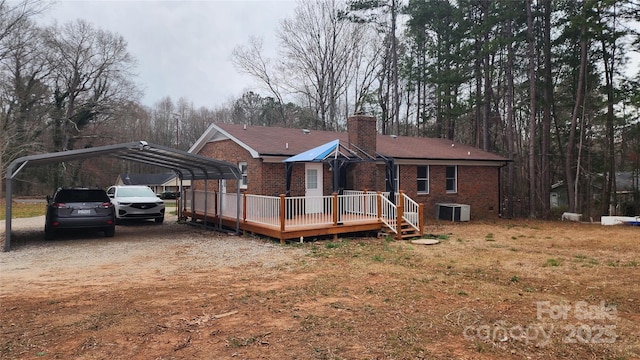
column 500, row 189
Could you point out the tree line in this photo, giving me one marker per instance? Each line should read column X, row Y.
column 547, row 84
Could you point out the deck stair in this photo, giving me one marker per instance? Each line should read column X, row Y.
column 406, row 231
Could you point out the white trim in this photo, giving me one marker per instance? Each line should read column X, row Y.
column 428, row 180
column 454, row 191
column 203, row 139
column 211, row 133
column 245, row 173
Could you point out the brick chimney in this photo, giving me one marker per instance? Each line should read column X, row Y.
column 363, row 134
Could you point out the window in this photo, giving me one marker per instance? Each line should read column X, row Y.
column 243, row 172
column 452, row 179
column 423, row 179
column 312, row 179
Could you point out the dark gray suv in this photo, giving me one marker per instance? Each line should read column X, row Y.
column 79, row 208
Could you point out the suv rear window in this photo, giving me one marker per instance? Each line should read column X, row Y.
column 81, row 195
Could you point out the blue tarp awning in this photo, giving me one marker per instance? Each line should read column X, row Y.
column 317, row 154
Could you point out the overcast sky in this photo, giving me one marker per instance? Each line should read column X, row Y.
column 183, row 48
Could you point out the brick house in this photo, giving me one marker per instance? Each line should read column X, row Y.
column 429, row 170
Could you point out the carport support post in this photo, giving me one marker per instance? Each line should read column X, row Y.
column 8, row 193
column 205, row 203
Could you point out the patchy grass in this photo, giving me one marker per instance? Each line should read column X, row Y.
column 357, row 299
column 22, row 210
column 551, row 262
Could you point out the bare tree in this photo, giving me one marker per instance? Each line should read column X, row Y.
column 251, row 60
column 383, row 14
column 366, row 64
column 532, row 111
column 92, row 77
column 318, row 47
column 163, row 122
column 13, row 14
column 21, row 74
column 572, row 183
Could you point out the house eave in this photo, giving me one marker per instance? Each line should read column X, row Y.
column 465, row 162
column 278, row 158
column 209, row 136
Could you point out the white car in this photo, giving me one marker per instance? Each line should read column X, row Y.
column 136, row 202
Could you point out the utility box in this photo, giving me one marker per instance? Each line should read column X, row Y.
column 453, row 212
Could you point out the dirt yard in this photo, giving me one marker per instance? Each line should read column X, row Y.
column 510, row 289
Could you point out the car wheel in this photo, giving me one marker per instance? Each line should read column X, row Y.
column 110, row 232
column 160, row 220
column 49, row 234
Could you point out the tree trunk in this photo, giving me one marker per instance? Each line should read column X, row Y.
column 608, row 59
column 478, row 77
column 545, row 185
column 571, row 141
column 511, row 177
column 394, row 58
column 532, row 112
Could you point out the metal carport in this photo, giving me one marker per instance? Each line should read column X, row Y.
column 186, row 165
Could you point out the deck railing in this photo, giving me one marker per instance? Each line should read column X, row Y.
column 229, row 205
column 356, row 207
column 200, row 200
column 308, row 211
column 304, row 211
column 388, row 213
column 262, row 209
column 411, row 211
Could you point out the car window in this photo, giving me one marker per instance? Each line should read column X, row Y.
column 69, row 196
column 135, row 191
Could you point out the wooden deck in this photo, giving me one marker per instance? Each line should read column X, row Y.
column 292, row 229
column 287, row 218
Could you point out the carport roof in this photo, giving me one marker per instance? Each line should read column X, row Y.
column 188, row 166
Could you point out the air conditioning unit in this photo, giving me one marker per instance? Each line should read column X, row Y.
column 453, row 212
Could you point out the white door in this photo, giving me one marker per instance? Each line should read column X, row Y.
column 313, row 188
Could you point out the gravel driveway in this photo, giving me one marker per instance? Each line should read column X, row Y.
column 138, row 250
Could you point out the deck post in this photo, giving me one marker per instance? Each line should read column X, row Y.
column 364, row 201
column 283, row 205
column 335, row 208
column 421, row 218
column 400, row 214
column 244, row 207
column 379, row 205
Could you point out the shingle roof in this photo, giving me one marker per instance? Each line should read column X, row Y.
column 277, row 141
column 146, row 179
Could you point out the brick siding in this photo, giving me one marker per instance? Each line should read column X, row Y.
column 477, row 186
